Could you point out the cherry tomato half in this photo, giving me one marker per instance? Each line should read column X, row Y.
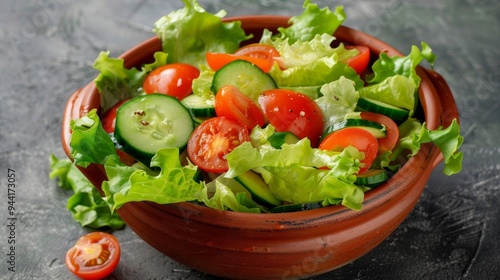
column 218, row 60
column 359, row 138
column 109, row 119
column 212, row 140
column 361, row 61
column 94, row 256
column 288, row 110
column 173, row 79
column 262, row 51
column 233, row 104
column 262, row 55
column 392, row 131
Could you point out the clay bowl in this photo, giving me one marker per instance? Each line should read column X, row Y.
column 286, row 245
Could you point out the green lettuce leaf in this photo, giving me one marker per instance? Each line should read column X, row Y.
column 322, row 71
column 386, row 66
column 116, row 83
column 395, row 80
column 311, row 22
column 187, row 34
column 160, row 59
column 301, row 184
column 397, row 90
column 301, row 53
column 385, row 161
column 85, row 204
column 227, row 194
column 174, row 183
column 310, row 64
column 293, row 172
column 339, row 98
column 202, row 85
column 90, row 143
column 245, row 157
column 448, row 140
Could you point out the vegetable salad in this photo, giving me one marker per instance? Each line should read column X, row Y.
column 289, row 120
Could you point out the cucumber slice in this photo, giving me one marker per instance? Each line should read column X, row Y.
column 372, row 178
column 393, row 112
column 277, row 139
column 297, row 207
column 151, row 122
column 374, row 128
column 245, row 76
column 258, row 188
column 199, row 106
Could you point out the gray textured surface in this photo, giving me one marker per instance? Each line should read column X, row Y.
column 46, row 51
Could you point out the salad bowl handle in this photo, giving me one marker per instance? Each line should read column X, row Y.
column 449, row 110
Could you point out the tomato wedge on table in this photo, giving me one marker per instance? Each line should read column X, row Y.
column 173, row 79
column 291, row 111
column 212, row 140
column 94, row 256
column 359, row 62
column 359, row 138
column 233, row 104
column 392, row 131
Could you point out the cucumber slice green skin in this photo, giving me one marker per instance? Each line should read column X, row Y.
column 199, row 106
column 374, row 128
column 277, row 139
column 258, row 188
column 372, row 178
column 297, row 207
column 202, row 112
column 245, row 76
column 151, row 122
column 397, row 114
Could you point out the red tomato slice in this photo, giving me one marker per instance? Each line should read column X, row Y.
column 359, row 138
column 109, row 119
column 288, row 110
column 234, row 105
column 392, row 131
column 218, row 60
column 361, row 61
column 212, row 140
column 173, row 79
column 261, row 55
column 262, row 51
column 94, row 256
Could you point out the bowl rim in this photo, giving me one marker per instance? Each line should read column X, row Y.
column 84, row 100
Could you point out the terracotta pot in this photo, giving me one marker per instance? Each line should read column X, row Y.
column 287, row 245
